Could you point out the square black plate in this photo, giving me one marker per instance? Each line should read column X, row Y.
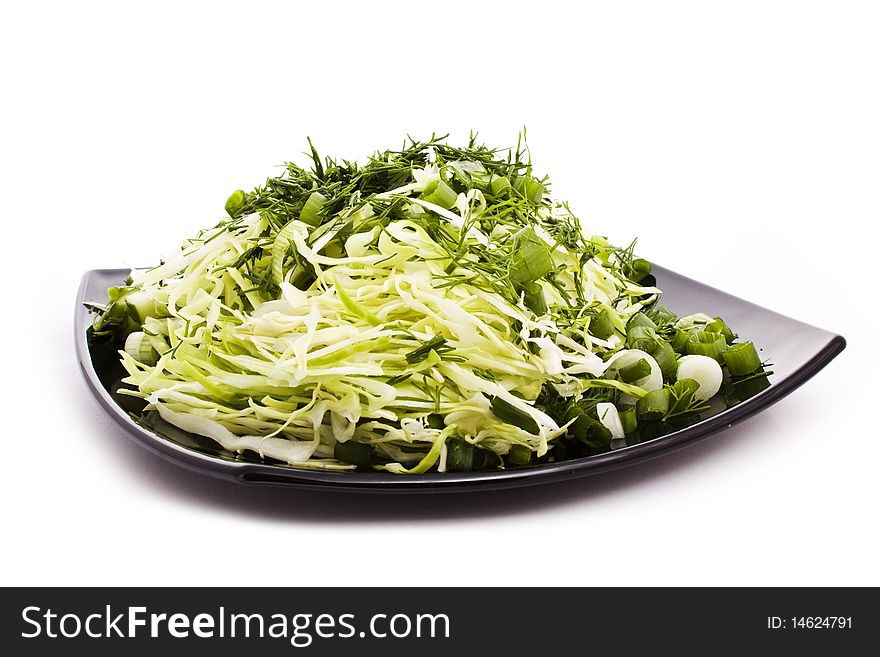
column 797, row 351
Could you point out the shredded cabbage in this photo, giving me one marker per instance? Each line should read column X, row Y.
column 394, row 323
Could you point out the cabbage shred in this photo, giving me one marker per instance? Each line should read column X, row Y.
column 431, row 309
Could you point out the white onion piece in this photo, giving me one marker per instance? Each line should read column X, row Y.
column 705, row 371
column 609, row 416
column 654, row 381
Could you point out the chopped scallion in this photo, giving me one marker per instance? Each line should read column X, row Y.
column 602, row 326
column 654, row 405
column 235, row 202
column 499, row 184
column 311, row 212
column 640, row 269
column 507, row 412
column 717, row 325
column 533, row 297
column 635, row 371
column 680, row 340
column 531, row 258
column 439, row 193
column 459, row 455
column 661, row 313
column 640, row 319
column 666, row 358
column 590, row 431
column 704, row 343
column 741, row 358
column 531, row 189
column 519, row 455
column 642, row 338
column 628, row 418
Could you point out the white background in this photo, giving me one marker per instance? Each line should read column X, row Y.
column 740, row 141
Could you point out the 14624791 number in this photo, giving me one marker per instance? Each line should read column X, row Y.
column 821, row 622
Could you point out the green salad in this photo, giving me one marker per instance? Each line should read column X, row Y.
column 432, row 309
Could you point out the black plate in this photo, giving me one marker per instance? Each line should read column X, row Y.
column 797, row 351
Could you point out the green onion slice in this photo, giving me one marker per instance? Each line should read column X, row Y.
column 741, row 359
column 311, row 212
column 507, row 412
column 704, row 343
column 439, row 193
column 235, row 202
column 635, row 371
column 628, row 418
column 531, row 258
column 654, row 405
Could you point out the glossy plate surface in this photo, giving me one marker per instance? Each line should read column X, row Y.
column 797, row 351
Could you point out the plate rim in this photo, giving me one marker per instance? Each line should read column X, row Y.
column 266, row 474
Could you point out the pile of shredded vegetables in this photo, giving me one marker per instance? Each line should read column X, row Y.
column 433, row 308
